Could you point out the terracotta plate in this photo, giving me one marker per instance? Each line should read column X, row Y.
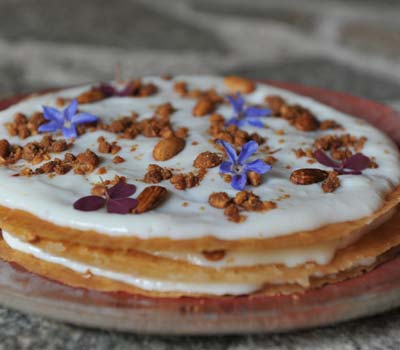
column 374, row 292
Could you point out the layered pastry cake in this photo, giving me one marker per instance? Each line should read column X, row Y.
column 194, row 186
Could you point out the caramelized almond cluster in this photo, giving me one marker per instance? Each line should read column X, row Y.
column 23, row 127
column 243, row 201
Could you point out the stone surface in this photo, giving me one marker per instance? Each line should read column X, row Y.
column 117, row 23
column 372, row 37
column 347, row 45
column 327, row 74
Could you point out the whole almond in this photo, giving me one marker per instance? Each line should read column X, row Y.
column 168, row 148
column 308, row 176
column 203, row 107
column 150, row 198
column 239, row 84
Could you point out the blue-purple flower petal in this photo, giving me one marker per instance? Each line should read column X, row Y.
column 71, row 110
column 225, row 167
column 255, row 122
column 237, row 103
column 258, row 166
column 49, row 127
column 69, row 132
column 248, row 149
column 256, row 112
column 83, row 118
column 52, row 114
column 230, row 151
column 239, row 181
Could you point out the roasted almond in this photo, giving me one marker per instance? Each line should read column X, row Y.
column 150, row 198
column 239, row 84
column 203, row 107
column 168, row 148
column 308, row 176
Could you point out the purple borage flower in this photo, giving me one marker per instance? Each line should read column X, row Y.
column 248, row 115
column 66, row 121
column 351, row 166
column 115, row 198
column 237, row 165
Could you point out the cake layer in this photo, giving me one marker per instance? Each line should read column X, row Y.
column 186, row 215
column 159, row 274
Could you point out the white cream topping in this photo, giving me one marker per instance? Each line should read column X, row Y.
column 140, row 282
column 307, row 208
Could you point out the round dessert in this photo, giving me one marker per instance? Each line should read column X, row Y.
column 194, row 186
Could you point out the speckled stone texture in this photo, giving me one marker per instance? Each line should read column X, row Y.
column 347, row 45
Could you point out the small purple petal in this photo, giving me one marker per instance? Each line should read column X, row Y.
column 49, row 127
column 121, row 205
column 71, row 110
column 233, row 121
column 237, row 103
column 239, row 181
column 258, row 166
column 89, row 203
column 256, row 112
column 323, row 159
column 248, row 149
column 121, row 190
column 230, row 151
column 70, row 132
column 357, row 162
column 255, row 122
column 83, row 118
column 225, row 167
column 52, row 114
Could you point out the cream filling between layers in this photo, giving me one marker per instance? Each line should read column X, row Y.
column 168, row 286
column 139, row 282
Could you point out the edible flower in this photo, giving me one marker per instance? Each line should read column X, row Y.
column 238, row 166
column 351, row 166
column 115, row 198
column 248, row 115
column 66, row 120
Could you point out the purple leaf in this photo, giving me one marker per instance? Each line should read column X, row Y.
column 248, row 149
column 322, row 158
column 106, row 89
column 357, row 162
column 89, row 203
column 121, row 190
column 121, row 205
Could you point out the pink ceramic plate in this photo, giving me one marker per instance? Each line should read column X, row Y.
column 374, row 292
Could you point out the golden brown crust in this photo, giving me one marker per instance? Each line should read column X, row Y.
column 26, row 225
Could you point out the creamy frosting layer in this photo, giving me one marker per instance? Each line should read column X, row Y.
column 306, row 208
column 140, row 282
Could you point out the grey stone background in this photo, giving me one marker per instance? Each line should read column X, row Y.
column 347, row 45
